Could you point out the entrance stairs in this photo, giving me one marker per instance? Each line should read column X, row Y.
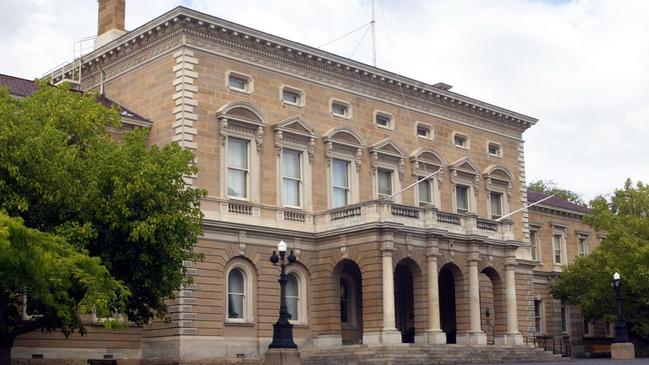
column 413, row 354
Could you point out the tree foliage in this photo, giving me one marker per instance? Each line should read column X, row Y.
column 586, row 283
column 123, row 203
column 60, row 280
column 550, row 187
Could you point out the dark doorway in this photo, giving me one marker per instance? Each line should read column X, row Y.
column 404, row 302
column 351, row 302
column 447, row 303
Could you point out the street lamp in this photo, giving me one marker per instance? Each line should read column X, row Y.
column 621, row 333
column 282, row 329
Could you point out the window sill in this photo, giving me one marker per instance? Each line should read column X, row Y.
column 345, row 117
column 387, row 127
column 238, row 324
column 495, row 156
column 424, row 137
column 242, row 91
column 461, row 147
column 299, row 324
column 287, row 103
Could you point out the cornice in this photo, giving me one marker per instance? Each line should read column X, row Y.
column 542, row 208
column 269, row 47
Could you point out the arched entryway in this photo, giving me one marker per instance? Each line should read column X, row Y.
column 449, row 279
column 407, row 278
column 350, row 284
column 492, row 305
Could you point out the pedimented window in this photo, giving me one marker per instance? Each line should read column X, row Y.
column 465, row 178
column 498, row 183
column 388, row 166
column 426, row 161
column 343, row 151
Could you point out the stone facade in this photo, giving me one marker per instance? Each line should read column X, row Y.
column 370, row 270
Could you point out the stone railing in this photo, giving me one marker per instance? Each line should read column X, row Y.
column 355, row 214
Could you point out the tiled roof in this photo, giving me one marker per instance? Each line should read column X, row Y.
column 22, row 87
column 18, row 86
column 533, row 197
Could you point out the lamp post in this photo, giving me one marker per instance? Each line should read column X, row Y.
column 621, row 333
column 282, row 329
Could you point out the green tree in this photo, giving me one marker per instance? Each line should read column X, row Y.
column 123, row 202
column 586, row 283
column 550, row 187
column 59, row 279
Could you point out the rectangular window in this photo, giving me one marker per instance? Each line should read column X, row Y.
column 291, row 97
column 339, row 183
column 384, row 183
column 424, row 131
column 564, row 320
column 462, row 198
column 582, row 244
column 291, row 177
column 424, row 192
column 586, row 327
column 534, row 245
column 237, row 82
column 461, row 140
column 537, row 315
column 496, row 201
column 558, row 249
column 383, row 120
column 494, row 149
column 340, row 109
column 237, row 167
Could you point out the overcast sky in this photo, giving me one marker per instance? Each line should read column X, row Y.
column 580, row 67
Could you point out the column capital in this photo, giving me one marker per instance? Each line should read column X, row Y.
column 432, row 253
column 387, row 247
column 473, row 257
column 510, row 263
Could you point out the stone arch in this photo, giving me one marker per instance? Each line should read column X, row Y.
column 454, row 305
column 241, row 110
column 492, row 298
column 347, row 287
column 250, row 287
column 344, row 135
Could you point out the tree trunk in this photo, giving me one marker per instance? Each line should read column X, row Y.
column 5, row 353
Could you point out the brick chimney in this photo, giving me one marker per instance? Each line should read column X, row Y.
column 110, row 24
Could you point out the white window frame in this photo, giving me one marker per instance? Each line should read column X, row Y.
column 247, row 79
column 431, row 191
column 248, row 293
column 498, row 146
column 537, row 248
column 490, row 206
column 559, row 231
column 346, row 104
column 541, row 316
column 299, row 92
column 386, row 115
column 300, row 274
column 456, row 208
column 498, row 179
column 582, row 251
column 301, row 166
column 393, row 183
column 387, row 156
column 343, row 149
column 424, row 162
column 227, row 169
column 349, row 182
column 467, row 144
column 464, row 172
column 431, row 131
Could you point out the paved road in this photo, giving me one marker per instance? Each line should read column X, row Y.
column 644, row 361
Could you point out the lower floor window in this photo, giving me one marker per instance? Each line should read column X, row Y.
column 236, row 294
column 293, row 297
column 537, row 315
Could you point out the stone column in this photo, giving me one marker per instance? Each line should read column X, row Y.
column 513, row 336
column 476, row 336
column 389, row 333
column 434, row 333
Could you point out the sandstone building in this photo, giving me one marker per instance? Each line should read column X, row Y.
column 297, row 144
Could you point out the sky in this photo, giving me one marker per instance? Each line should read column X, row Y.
column 580, row 67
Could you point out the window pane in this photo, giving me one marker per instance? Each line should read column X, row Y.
column 384, row 182
column 235, row 282
column 557, row 248
column 292, row 296
column 290, row 97
column 238, row 153
column 291, row 163
column 534, row 245
column 339, row 197
column 424, row 191
column 237, row 183
column 462, row 198
column 339, row 109
column 292, row 308
column 291, row 192
column 235, row 306
column 496, row 205
column 237, row 82
column 340, row 173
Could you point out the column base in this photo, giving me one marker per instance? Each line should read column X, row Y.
column 390, row 336
column 473, row 339
column 282, row 357
column 435, row 337
column 622, row 351
column 510, row 339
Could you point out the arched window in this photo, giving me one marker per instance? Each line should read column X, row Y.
column 293, row 297
column 239, row 284
column 236, row 294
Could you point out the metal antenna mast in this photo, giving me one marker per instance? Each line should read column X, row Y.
column 373, row 23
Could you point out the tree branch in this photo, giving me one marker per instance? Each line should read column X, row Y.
column 28, row 326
